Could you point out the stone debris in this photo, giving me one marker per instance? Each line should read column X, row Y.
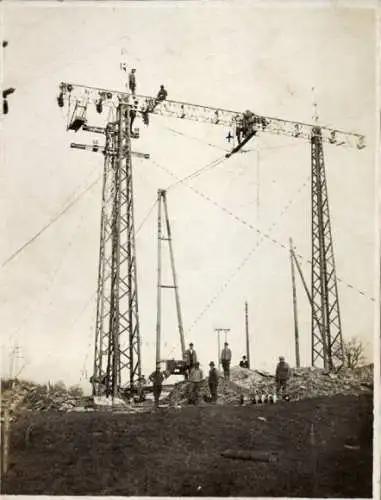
column 250, row 386
column 244, row 387
column 20, row 396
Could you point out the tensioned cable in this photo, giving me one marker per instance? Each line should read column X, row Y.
column 50, row 281
column 146, row 217
column 209, row 166
column 193, row 138
column 259, row 231
column 50, row 223
column 227, row 282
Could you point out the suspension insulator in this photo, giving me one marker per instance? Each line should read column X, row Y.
column 60, row 101
column 5, row 107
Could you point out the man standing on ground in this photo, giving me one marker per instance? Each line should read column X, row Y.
column 226, row 357
column 157, row 378
column 213, row 381
column 282, row 375
column 190, row 358
column 195, row 379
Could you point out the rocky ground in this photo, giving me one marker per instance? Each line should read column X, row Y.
column 305, row 383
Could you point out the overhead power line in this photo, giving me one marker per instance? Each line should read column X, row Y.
column 50, row 223
column 208, row 166
column 266, row 236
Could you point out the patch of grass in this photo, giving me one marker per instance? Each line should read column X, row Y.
column 178, row 452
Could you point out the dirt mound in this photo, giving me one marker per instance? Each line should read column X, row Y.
column 229, row 392
column 304, row 383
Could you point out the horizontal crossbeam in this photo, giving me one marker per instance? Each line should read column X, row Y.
column 84, row 95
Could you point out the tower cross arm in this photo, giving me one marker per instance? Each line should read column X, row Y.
column 207, row 114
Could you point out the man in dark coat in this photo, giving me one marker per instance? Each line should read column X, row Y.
column 213, row 381
column 195, row 378
column 132, row 81
column 157, row 378
column 244, row 362
column 162, row 94
column 282, row 375
column 226, row 357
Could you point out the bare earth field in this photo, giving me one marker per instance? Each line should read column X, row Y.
column 177, row 452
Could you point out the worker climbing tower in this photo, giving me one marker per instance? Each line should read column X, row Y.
column 117, row 343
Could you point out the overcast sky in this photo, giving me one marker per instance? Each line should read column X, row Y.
column 223, row 55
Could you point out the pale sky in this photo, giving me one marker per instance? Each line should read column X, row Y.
column 223, row 55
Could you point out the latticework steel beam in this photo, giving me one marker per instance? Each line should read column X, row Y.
column 117, row 344
column 83, row 95
column 327, row 342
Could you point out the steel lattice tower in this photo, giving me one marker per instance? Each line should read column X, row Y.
column 117, row 362
column 117, row 339
column 327, row 341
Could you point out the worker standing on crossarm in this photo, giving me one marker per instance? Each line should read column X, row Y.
column 213, row 381
column 226, row 357
column 190, row 358
column 195, row 379
column 157, row 378
column 132, row 81
column 282, row 376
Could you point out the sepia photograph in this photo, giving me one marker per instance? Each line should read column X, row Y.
column 190, row 264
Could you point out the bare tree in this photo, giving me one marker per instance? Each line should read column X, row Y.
column 354, row 353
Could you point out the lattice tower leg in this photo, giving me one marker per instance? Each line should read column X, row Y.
column 117, row 360
column 101, row 377
column 327, row 342
column 130, row 343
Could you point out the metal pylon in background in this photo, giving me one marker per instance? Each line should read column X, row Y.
column 166, row 235
column 117, row 362
column 327, row 341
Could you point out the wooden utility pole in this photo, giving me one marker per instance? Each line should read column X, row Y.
column 158, row 319
column 5, row 443
column 247, row 334
column 296, row 328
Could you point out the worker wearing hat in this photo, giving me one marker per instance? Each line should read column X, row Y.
column 190, row 358
column 213, row 381
column 195, row 378
column 282, row 375
column 226, row 357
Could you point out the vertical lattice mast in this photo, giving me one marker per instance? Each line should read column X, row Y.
column 327, row 342
column 117, row 344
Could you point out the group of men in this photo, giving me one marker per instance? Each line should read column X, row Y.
column 161, row 95
column 195, row 377
column 190, row 358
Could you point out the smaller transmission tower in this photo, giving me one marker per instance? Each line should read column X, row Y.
column 165, row 234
